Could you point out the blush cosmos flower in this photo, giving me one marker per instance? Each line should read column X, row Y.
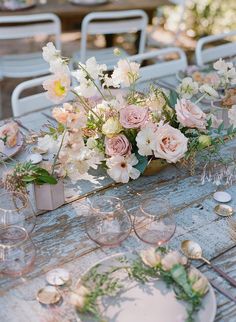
column 118, row 145
column 121, row 168
column 190, row 115
column 171, row 144
column 133, row 116
column 57, row 86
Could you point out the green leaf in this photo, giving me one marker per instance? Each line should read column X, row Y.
column 221, row 127
column 173, row 98
column 230, row 129
column 48, row 179
column 28, row 179
column 143, row 162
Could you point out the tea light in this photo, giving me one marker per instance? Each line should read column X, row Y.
column 224, row 210
column 34, row 158
column 222, row 196
column 48, row 295
column 58, row 276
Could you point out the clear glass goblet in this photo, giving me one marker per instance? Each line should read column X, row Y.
column 17, row 251
column 154, row 221
column 16, row 210
column 108, row 223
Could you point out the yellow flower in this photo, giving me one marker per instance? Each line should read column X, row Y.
column 111, row 127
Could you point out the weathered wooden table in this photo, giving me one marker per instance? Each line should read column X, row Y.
column 61, row 240
column 71, row 14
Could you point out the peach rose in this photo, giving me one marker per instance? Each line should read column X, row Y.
column 171, row 144
column 8, row 133
column 133, row 116
column 190, row 115
column 118, row 145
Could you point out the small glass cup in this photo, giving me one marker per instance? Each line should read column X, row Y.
column 16, row 210
column 154, row 221
column 109, row 223
column 17, row 251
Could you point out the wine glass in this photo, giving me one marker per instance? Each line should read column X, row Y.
column 16, row 210
column 17, row 252
column 108, row 223
column 154, row 221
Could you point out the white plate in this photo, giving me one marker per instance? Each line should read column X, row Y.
column 10, row 152
column 89, row 2
column 14, row 5
column 150, row 302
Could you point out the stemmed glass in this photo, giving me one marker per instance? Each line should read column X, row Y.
column 17, row 252
column 108, row 223
column 16, row 210
column 154, row 221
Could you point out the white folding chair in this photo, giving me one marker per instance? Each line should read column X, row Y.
column 113, row 22
column 32, row 103
column 160, row 68
column 153, row 35
column 206, row 55
column 21, row 27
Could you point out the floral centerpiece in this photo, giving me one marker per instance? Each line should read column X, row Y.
column 112, row 124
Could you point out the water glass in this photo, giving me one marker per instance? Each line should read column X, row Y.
column 17, row 252
column 154, row 221
column 16, row 210
column 108, row 223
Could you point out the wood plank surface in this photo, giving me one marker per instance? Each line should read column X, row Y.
column 61, row 239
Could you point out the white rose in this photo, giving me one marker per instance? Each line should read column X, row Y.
column 111, row 127
column 171, row 144
column 150, row 257
column 201, row 286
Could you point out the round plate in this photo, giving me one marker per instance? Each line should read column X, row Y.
column 48, row 295
column 16, row 5
column 89, row 2
column 10, row 152
column 149, row 302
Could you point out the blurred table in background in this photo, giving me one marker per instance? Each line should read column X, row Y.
column 71, row 15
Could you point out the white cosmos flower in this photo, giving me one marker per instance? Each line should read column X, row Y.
column 121, row 168
column 209, row 90
column 221, row 66
column 50, row 53
column 232, row 115
column 86, row 88
column 58, row 66
column 187, row 88
column 125, row 73
column 48, row 144
column 146, row 139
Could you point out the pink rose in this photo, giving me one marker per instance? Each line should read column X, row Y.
column 9, row 133
column 133, row 116
column 190, row 115
column 171, row 144
column 118, row 145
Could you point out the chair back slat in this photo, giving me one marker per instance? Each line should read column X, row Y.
column 206, row 55
column 160, row 68
column 113, row 22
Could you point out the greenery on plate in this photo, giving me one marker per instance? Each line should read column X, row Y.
column 187, row 283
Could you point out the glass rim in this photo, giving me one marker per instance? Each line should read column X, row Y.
column 106, row 198
column 19, row 194
column 17, row 243
column 163, row 214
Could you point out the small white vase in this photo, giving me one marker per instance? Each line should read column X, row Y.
column 49, row 196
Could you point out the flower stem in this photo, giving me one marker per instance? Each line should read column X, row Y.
column 200, row 98
column 58, row 152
